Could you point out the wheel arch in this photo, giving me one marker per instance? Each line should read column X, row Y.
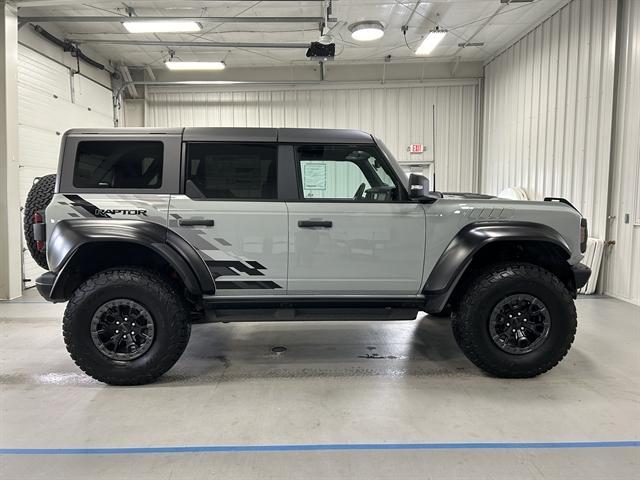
column 80, row 248
column 483, row 243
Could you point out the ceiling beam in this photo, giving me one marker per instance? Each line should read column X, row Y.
column 123, row 18
column 149, row 70
column 165, row 43
column 53, row 3
column 128, row 81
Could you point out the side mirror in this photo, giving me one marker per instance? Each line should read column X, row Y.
column 419, row 189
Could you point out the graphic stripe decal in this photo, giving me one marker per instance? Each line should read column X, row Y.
column 248, row 284
column 83, row 205
column 221, row 268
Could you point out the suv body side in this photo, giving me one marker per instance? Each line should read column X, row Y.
column 149, row 231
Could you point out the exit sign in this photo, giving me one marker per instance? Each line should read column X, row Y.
column 416, row 148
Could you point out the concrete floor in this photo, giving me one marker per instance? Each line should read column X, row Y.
column 336, row 383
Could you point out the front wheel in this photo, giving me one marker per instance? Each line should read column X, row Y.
column 515, row 320
column 126, row 326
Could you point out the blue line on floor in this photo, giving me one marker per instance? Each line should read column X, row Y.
column 315, row 448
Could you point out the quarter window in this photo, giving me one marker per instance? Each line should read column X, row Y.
column 118, row 164
column 233, row 171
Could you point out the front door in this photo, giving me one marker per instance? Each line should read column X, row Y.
column 351, row 233
column 230, row 213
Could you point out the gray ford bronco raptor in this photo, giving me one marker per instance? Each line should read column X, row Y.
column 146, row 231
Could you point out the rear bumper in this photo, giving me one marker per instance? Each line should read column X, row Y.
column 581, row 274
column 44, row 284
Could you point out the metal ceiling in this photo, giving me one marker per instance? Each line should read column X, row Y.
column 274, row 33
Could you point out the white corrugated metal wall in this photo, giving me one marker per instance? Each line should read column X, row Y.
column 400, row 114
column 623, row 260
column 548, row 109
column 50, row 101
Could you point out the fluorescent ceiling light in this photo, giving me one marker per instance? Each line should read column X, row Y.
column 431, row 41
column 174, row 65
column 162, row 26
column 366, row 31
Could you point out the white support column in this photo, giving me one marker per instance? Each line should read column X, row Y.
column 10, row 225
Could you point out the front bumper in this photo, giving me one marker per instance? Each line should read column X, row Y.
column 581, row 274
column 44, row 284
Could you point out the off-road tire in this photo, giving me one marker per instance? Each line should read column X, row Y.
column 470, row 320
column 167, row 308
column 38, row 199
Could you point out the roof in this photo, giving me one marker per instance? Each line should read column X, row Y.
column 124, row 131
column 241, row 134
column 323, row 135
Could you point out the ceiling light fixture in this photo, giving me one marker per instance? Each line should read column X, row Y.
column 366, row 31
column 431, row 41
column 176, row 65
column 162, row 26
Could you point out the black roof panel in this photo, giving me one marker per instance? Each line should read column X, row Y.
column 124, row 131
column 229, row 134
column 284, row 135
column 322, row 135
column 241, row 134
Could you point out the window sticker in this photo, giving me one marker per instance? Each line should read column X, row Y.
column 315, row 176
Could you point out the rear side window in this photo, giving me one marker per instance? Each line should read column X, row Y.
column 118, row 164
column 233, row 171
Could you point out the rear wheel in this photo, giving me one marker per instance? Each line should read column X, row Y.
column 515, row 320
column 126, row 326
column 38, row 199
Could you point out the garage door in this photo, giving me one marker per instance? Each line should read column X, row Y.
column 50, row 101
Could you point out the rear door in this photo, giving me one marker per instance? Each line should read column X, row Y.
column 352, row 230
column 231, row 214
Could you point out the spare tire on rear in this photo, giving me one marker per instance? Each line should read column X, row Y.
column 38, row 199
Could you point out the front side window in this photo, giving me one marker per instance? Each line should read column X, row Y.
column 233, row 171
column 344, row 172
column 118, row 164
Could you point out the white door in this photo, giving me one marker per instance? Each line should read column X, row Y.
column 50, row 101
column 350, row 233
column 232, row 216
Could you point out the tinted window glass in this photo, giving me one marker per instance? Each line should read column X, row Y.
column 344, row 172
column 232, row 171
column 118, row 164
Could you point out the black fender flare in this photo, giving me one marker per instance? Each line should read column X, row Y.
column 458, row 255
column 68, row 236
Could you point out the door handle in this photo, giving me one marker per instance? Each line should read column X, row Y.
column 196, row 223
column 315, row 223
